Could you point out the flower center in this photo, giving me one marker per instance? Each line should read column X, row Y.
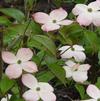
column 75, row 67
column 19, row 61
column 72, row 49
column 38, row 89
column 54, row 21
column 90, row 10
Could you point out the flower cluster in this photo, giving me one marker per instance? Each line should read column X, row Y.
column 86, row 15
column 19, row 63
column 73, row 55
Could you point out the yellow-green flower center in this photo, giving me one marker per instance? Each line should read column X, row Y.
column 90, row 10
column 54, row 21
column 38, row 89
column 19, row 61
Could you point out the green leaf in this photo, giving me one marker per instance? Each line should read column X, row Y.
column 6, row 84
column 58, row 71
column 81, row 1
column 36, row 28
column 91, row 42
column 43, row 42
column 45, row 76
column 14, row 13
column 98, row 82
column 81, row 90
column 39, row 57
column 15, row 98
column 99, row 57
column 4, row 21
column 13, row 32
column 71, row 34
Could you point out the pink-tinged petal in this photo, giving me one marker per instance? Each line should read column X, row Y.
column 47, row 96
column 58, row 14
column 79, row 76
column 13, row 71
column 45, row 87
column 65, row 22
column 50, row 27
column 29, row 66
column 68, row 71
column 79, row 56
column 84, row 67
column 9, row 57
column 93, row 91
column 78, row 48
column 29, row 80
column 31, row 95
column 70, row 63
column 94, row 5
column 40, row 17
column 96, row 18
column 79, row 9
column 24, row 54
column 85, row 19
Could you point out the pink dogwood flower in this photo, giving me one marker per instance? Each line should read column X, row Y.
column 75, row 51
column 19, row 62
column 53, row 21
column 37, row 89
column 78, row 72
column 93, row 92
column 88, row 14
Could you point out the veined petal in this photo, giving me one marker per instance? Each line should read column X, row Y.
column 93, row 91
column 80, row 76
column 79, row 56
column 13, row 71
column 9, row 57
column 78, row 48
column 24, row 54
column 84, row 67
column 50, row 27
column 58, row 14
column 29, row 81
column 45, row 87
column 85, row 19
column 31, row 95
column 65, row 22
column 68, row 71
column 47, row 96
column 41, row 18
column 79, row 9
column 29, row 66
